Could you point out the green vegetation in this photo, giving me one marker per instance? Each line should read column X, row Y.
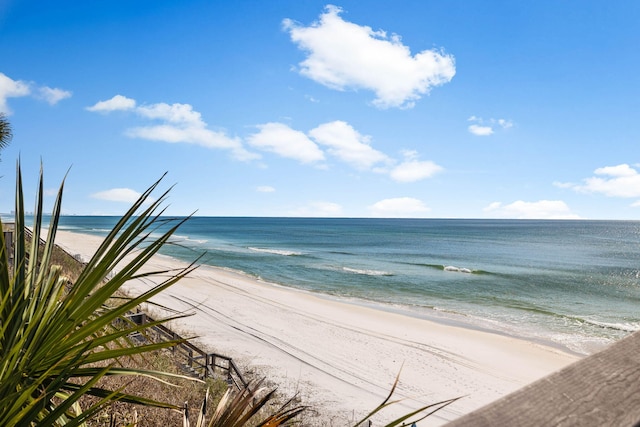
column 239, row 409
column 5, row 132
column 57, row 338
column 408, row 419
column 65, row 355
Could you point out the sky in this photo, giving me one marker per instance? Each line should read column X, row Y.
column 289, row 108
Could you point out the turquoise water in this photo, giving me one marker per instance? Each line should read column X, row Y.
column 574, row 284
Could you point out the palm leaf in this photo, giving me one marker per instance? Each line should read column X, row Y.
column 402, row 421
column 5, row 131
column 237, row 409
column 59, row 339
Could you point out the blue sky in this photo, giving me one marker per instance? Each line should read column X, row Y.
column 444, row 109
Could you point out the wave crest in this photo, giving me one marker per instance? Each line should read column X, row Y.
column 367, row 272
column 282, row 252
column 625, row 327
column 457, row 269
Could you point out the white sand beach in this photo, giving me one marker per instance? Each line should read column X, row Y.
column 343, row 358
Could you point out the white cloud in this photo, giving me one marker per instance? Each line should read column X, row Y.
column 412, row 169
column 400, row 207
column 118, row 195
column 480, row 130
column 11, row 89
column 505, row 124
column 172, row 113
column 265, row 189
column 192, row 135
column 618, row 171
column 636, row 204
column 286, row 142
column 613, row 181
column 543, row 209
column 481, row 127
column 319, row 209
column 343, row 55
column 563, row 184
column 348, row 145
column 53, row 95
column 117, row 103
column 342, row 142
column 180, row 124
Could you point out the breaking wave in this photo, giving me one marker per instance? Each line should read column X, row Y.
column 282, row 252
column 457, row 269
column 625, row 327
column 367, row 272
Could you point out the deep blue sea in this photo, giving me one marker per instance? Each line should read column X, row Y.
column 574, row 284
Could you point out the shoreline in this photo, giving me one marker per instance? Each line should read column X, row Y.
column 454, row 320
column 341, row 357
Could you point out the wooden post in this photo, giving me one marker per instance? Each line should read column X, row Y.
column 8, row 244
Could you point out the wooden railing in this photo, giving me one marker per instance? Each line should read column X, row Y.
column 192, row 359
column 8, row 230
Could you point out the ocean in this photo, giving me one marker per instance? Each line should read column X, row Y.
column 572, row 284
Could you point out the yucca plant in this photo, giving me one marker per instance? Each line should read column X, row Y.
column 58, row 339
column 245, row 407
column 410, row 418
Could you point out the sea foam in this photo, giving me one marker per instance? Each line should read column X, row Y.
column 367, row 272
column 276, row 251
column 457, row 269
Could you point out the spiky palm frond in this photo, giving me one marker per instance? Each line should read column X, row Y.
column 58, row 339
column 239, row 408
column 5, row 131
column 406, row 419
